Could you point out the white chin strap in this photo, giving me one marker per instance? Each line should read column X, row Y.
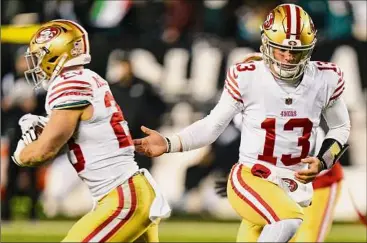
column 285, row 73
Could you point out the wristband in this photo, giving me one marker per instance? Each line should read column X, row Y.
column 330, row 152
column 173, row 144
column 168, row 141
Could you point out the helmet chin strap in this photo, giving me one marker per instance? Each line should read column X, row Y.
column 287, row 74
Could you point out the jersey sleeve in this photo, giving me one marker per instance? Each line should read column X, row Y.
column 70, row 94
column 231, row 85
column 208, row 129
column 336, row 85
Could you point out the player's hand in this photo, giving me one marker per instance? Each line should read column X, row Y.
column 29, row 136
column 29, row 120
column 153, row 145
column 32, row 127
column 17, row 151
column 308, row 175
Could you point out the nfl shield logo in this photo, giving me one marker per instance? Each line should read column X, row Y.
column 288, row 101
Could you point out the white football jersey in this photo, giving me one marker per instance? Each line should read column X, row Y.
column 279, row 127
column 101, row 149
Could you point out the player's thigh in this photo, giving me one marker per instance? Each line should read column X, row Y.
column 136, row 222
column 319, row 216
column 95, row 220
column 257, row 200
column 248, row 232
column 122, row 216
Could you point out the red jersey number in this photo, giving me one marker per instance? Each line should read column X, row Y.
column 328, row 66
column 118, row 123
column 76, row 150
column 246, row 67
column 303, row 141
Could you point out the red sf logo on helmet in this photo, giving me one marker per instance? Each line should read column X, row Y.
column 292, row 43
column 268, row 23
column 47, row 34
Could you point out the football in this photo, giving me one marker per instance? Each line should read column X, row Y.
column 38, row 129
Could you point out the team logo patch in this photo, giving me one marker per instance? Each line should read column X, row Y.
column 269, row 21
column 292, row 185
column 78, row 48
column 292, row 43
column 288, row 101
column 47, row 34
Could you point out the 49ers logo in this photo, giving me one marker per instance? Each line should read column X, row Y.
column 292, row 185
column 47, row 34
column 268, row 23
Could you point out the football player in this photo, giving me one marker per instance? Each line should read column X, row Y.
column 85, row 120
column 281, row 99
column 318, row 217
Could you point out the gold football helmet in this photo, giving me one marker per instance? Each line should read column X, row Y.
column 57, row 44
column 288, row 27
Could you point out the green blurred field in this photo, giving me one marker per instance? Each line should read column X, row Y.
column 170, row 231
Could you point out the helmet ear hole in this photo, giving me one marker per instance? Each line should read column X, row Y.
column 53, row 59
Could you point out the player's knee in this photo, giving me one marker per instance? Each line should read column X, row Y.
column 281, row 231
column 292, row 224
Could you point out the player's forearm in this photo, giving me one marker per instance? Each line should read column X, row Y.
column 55, row 135
column 207, row 130
column 338, row 121
column 200, row 134
column 36, row 154
column 334, row 144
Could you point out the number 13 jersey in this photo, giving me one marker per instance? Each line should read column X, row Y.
column 279, row 127
column 101, row 149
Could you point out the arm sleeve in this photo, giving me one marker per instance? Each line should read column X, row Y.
column 337, row 86
column 337, row 118
column 207, row 130
column 70, row 94
column 231, row 84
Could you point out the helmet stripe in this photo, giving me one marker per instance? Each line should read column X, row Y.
column 298, row 20
column 289, row 23
column 293, row 22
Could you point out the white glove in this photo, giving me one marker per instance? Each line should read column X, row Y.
column 16, row 154
column 28, row 120
column 29, row 136
column 28, row 124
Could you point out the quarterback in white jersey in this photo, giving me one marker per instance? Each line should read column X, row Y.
column 86, row 123
column 281, row 99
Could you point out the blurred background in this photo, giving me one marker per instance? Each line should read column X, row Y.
column 165, row 61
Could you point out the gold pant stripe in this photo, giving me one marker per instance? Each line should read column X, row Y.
column 109, row 227
column 327, row 217
column 250, row 196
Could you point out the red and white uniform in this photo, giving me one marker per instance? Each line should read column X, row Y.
column 101, row 149
column 278, row 124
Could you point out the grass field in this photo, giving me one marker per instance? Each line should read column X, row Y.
column 170, row 231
